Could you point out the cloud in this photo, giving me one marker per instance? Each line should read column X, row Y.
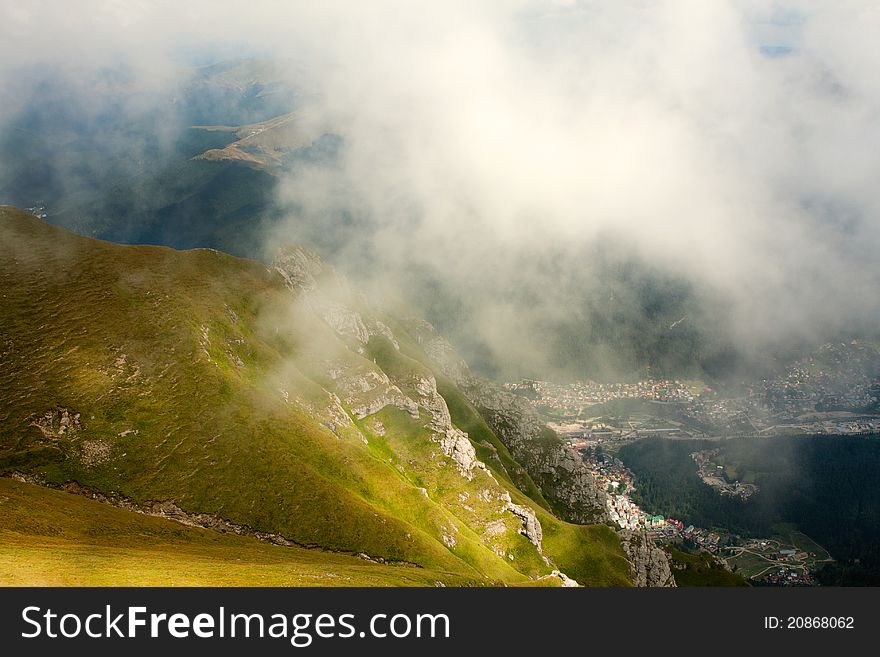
column 723, row 143
column 511, row 154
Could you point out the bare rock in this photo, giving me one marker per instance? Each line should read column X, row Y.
column 328, row 294
column 531, row 526
column 299, row 267
column 346, row 322
column 567, row 582
column 94, row 452
column 57, row 423
column 368, row 391
column 456, row 445
column 558, row 472
column 649, row 564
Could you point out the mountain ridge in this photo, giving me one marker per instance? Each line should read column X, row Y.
column 217, row 384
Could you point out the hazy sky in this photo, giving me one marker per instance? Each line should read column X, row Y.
column 732, row 144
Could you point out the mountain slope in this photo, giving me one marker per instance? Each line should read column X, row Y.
column 254, row 397
column 53, row 538
column 266, row 145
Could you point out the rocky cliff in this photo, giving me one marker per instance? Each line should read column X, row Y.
column 561, row 476
column 216, row 390
column 650, row 564
column 387, row 378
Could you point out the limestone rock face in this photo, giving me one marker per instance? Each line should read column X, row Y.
column 369, row 391
column 375, row 327
column 438, row 349
column 562, row 477
column 341, row 319
column 531, row 529
column 531, row 525
column 299, row 267
column 433, row 402
column 566, row 580
column 338, row 416
column 456, row 445
column 362, row 389
column 327, row 294
column 454, row 442
column 333, row 414
column 650, row 564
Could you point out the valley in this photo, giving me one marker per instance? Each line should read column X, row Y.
column 811, row 518
column 239, row 322
column 736, row 490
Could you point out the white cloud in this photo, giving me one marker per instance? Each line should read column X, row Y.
column 732, row 143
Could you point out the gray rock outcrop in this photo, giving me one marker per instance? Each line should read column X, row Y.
column 562, row 477
column 650, row 564
column 567, row 582
column 327, row 294
column 531, row 528
column 367, row 391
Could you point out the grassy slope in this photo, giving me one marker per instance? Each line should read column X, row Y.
column 143, row 343
column 52, row 538
column 209, row 435
column 591, row 554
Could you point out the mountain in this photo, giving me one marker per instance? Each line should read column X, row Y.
column 269, row 405
column 52, row 538
column 268, row 145
column 222, row 159
column 242, row 91
column 102, row 158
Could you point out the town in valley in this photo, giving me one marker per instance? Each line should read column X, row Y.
column 833, row 392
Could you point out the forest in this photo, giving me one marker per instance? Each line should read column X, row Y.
column 826, row 485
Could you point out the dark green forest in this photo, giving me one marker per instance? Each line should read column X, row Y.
column 826, row 485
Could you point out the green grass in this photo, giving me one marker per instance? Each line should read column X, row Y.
column 211, row 436
column 701, row 570
column 789, row 535
column 53, row 538
column 175, row 362
column 590, row 554
column 748, row 564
